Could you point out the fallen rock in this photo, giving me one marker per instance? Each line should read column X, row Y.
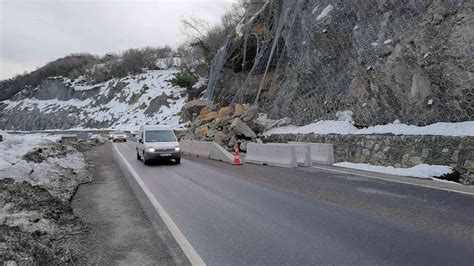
column 239, row 110
column 251, row 113
column 221, row 138
column 239, row 128
column 225, row 111
column 194, row 107
column 205, row 110
column 201, row 131
column 207, row 116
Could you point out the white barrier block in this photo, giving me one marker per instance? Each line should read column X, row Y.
column 321, row 153
column 303, row 153
column 282, row 155
column 186, row 146
column 201, row 148
column 220, row 154
column 206, row 149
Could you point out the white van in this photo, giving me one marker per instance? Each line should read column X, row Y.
column 157, row 143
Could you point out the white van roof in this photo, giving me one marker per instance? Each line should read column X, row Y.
column 157, row 127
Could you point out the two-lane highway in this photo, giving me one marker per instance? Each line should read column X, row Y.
column 237, row 215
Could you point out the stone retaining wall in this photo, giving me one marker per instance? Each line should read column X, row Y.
column 397, row 151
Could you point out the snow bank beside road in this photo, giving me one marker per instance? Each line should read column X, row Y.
column 420, row 171
column 38, row 176
column 40, row 160
column 346, row 127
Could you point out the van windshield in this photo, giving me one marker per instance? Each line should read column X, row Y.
column 159, row 136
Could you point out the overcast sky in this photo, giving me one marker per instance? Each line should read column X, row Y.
column 34, row 32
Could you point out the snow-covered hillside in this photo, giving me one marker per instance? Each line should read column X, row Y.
column 117, row 103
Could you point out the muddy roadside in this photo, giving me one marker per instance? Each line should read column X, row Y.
column 120, row 231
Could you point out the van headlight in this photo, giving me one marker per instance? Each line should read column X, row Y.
column 151, row 149
column 176, row 148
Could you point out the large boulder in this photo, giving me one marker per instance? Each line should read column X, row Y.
column 207, row 117
column 201, row 132
column 225, row 111
column 194, row 107
column 239, row 128
column 240, row 110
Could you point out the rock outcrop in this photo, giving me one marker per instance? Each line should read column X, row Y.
column 383, row 60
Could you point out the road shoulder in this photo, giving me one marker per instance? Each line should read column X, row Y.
column 120, row 231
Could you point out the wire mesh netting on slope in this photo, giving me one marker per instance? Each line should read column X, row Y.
column 384, row 60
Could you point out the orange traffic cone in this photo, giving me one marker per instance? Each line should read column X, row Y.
column 237, row 155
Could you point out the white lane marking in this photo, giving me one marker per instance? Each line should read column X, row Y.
column 190, row 252
column 393, row 180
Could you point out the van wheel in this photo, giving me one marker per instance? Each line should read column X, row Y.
column 177, row 161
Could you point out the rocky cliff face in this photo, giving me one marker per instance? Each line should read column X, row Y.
column 411, row 60
column 62, row 103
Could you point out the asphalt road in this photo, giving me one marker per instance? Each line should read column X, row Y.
column 250, row 214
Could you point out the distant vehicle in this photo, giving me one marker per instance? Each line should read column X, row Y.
column 110, row 136
column 134, row 133
column 157, row 143
column 119, row 136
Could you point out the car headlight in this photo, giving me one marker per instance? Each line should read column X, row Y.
column 176, row 148
column 151, row 149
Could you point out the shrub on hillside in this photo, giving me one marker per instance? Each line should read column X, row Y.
column 184, row 80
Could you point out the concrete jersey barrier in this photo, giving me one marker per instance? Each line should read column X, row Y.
column 186, row 146
column 275, row 154
column 303, row 153
column 206, row 149
column 201, row 149
column 321, row 153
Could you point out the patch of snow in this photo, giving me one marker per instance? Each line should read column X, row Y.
column 345, row 116
column 325, row 12
column 344, row 127
column 442, row 129
column 420, row 171
column 387, row 41
column 320, row 127
column 315, row 9
column 374, row 44
column 201, row 82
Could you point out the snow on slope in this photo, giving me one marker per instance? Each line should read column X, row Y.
column 346, row 127
column 119, row 103
column 420, row 171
